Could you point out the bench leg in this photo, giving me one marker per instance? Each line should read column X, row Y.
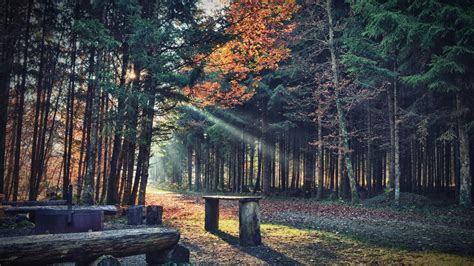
column 211, row 221
column 249, row 223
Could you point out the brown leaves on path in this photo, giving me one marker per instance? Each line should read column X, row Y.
column 299, row 231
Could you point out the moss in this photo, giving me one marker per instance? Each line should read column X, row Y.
column 24, row 224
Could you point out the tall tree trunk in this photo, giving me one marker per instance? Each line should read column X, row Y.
column 19, row 111
column 251, row 164
column 148, row 130
column 190, row 167
column 368, row 161
column 8, row 40
column 397, row 144
column 465, row 184
column 197, row 163
column 39, row 85
column 320, row 158
column 132, row 118
column 88, row 190
column 391, row 152
column 257, row 186
column 112, row 195
column 106, row 157
column 266, row 159
column 339, row 107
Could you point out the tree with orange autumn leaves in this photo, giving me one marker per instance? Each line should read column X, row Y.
column 258, row 30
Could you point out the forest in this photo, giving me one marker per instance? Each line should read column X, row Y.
column 349, row 123
column 323, row 99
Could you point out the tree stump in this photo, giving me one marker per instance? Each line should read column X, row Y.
column 154, row 215
column 211, row 214
column 249, row 223
column 135, row 215
column 106, row 260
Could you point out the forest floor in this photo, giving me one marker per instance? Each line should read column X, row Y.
column 304, row 231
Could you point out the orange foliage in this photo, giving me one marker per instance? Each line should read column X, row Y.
column 258, row 29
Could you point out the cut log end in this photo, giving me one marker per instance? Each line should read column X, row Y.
column 154, row 215
column 135, row 215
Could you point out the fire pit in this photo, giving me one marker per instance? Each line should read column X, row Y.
column 64, row 221
column 68, row 221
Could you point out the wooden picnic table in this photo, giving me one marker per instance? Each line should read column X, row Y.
column 107, row 209
column 249, row 217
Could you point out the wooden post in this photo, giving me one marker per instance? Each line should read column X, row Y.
column 135, row 215
column 212, row 214
column 249, row 223
column 154, row 214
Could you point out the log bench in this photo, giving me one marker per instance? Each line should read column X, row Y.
column 249, row 217
column 86, row 247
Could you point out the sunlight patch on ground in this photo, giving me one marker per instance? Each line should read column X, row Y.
column 282, row 242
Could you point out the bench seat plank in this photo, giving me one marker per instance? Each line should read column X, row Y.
column 36, row 203
column 85, row 247
column 249, row 217
column 239, row 198
column 108, row 209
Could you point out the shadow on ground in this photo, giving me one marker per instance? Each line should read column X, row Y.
column 262, row 252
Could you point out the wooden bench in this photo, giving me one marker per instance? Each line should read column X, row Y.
column 86, row 247
column 108, row 209
column 249, row 217
column 35, row 203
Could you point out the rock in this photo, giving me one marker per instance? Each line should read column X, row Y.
column 20, row 218
column 106, row 260
column 178, row 254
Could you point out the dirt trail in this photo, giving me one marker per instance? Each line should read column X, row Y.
column 307, row 232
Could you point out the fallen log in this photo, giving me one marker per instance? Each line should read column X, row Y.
column 35, row 203
column 85, row 247
column 107, row 209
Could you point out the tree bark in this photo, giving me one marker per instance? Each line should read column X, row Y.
column 465, row 179
column 339, row 107
column 85, row 247
column 19, row 125
column 190, row 167
column 320, row 159
column 397, row 144
column 88, row 189
column 148, row 133
column 112, row 193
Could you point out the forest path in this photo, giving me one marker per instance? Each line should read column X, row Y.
column 300, row 231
